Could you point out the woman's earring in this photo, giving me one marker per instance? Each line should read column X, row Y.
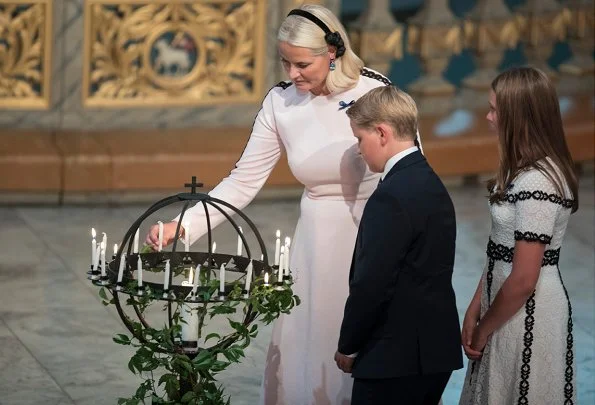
column 332, row 66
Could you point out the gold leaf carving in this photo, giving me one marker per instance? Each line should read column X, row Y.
column 25, row 28
column 158, row 53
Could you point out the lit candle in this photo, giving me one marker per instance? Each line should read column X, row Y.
column 239, row 251
column 266, row 279
column 93, row 245
column 121, row 269
column 222, row 279
column 166, row 279
column 214, row 247
column 135, row 247
column 187, row 236
column 160, row 235
column 139, row 270
column 115, row 249
column 190, row 278
column 281, row 263
column 189, row 315
column 277, row 247
column 96, row 262
column 248, row 277
column 103, row 261
column 286, row 264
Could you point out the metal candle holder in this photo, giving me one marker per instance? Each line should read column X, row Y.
column 209, row 262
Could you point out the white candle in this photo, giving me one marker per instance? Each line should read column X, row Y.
column 281, row 263
column 115, row 249
column 93, row 245
column 96, row 262
column 266, row 278
column 187, row 236
column 189, row 316
column 239, row 250
column 166, row 279
column 160, row 235
column 121, row 269
column 248, row 277
column 196, row 283
column 286, row 264
column 222, row 279
column 139, row 270
column 277, row 247
column 135, row 246
column 214, row 247
column 103, row 261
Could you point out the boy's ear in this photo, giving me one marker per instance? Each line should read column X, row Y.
column 384, row 132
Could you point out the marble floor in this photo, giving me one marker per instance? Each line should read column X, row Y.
column 55, row 336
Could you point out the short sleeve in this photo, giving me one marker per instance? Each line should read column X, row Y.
column 537, row 204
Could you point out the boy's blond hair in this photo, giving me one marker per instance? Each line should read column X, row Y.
column 389, row 105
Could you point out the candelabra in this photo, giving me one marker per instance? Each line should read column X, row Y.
column 218, row 283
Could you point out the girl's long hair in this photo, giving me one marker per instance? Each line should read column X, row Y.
column 529, row 130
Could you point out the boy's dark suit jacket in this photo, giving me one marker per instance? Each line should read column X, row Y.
column 401, row 316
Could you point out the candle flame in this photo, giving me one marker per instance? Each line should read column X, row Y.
column 115, row 248
column 282, row 249
column 266, row 278
column 214, row 246
column 278, row 234
column 191, row 275
column 287, row 241
column 93, row 233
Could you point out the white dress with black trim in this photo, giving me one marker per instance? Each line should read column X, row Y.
column 530, row 359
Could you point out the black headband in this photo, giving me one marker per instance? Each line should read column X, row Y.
column 331, row 38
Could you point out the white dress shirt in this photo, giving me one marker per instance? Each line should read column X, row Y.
column 393, row 161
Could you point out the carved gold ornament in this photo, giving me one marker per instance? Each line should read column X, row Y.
column 173, row 52
column 25, row 54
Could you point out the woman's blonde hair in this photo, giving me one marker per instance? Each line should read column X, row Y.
column 299, row 31
column 386, row 104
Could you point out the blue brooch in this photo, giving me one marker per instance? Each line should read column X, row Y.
column 343, row 105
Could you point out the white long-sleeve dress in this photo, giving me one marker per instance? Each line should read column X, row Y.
column 323, row 155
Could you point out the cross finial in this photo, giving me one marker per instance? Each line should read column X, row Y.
column 193, row 185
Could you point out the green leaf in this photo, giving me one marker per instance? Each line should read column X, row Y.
column 188, row 396
column 121, row 339
column 102, row 293
column 212, row 335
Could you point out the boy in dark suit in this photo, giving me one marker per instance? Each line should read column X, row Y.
column 400, row 336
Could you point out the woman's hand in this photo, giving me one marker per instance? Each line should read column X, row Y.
column 479, row 340
column 467, row 334
column 169, row 232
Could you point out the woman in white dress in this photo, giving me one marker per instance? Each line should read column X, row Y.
column 306, row 117
column 517, row 331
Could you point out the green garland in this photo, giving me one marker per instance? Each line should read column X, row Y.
column 192, row 380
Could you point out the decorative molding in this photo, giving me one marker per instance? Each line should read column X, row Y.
column 25, row 54
column 149, row 53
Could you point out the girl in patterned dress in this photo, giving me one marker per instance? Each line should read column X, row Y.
column 517, row 332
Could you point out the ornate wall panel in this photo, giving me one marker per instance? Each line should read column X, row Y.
column 173, row 52
column 25, row 53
